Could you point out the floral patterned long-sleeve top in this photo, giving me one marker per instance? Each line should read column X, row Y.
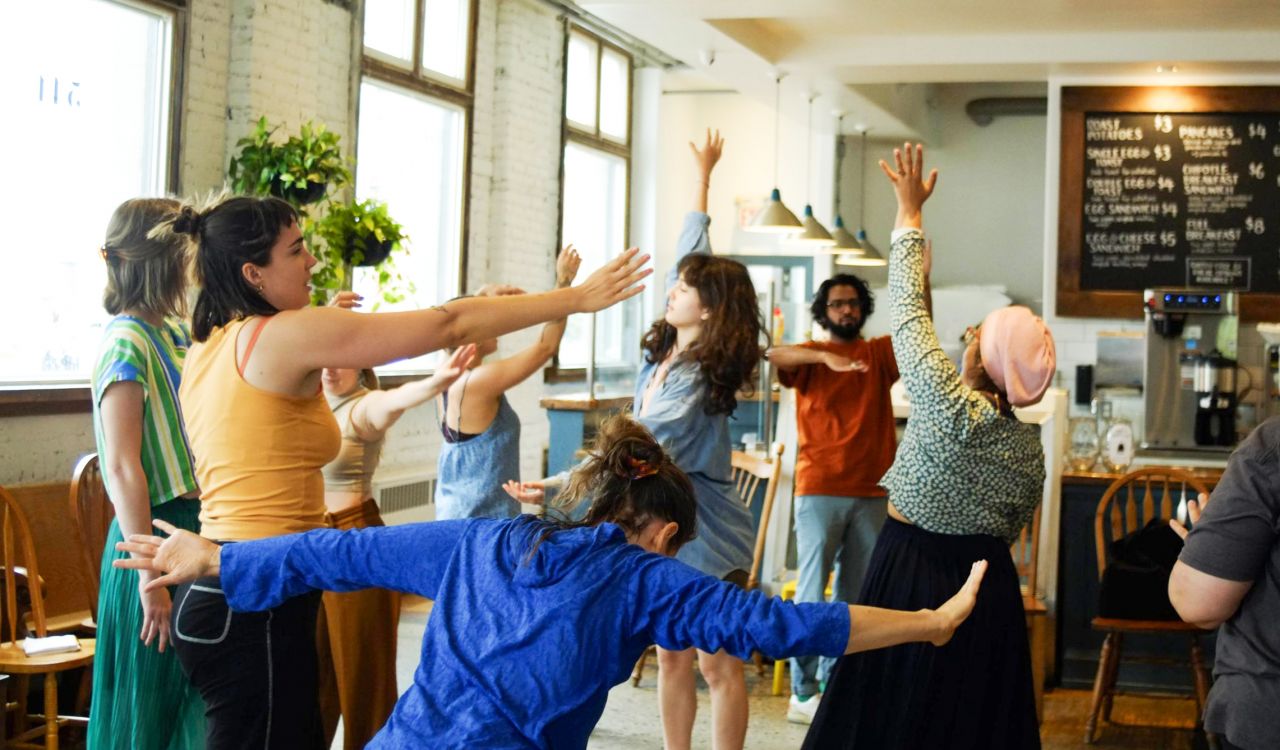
column 962, row 466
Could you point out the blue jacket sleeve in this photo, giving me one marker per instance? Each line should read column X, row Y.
column 412, row 558
column 693, row 239
column 678, row 608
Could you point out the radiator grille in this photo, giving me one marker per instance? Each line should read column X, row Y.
column 408, row 496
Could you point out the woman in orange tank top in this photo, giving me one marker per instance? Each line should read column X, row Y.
column 261, row 431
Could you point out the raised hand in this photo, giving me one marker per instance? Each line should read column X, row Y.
column 909, row 184
column 567, row 264
column 534, row 493
column 346, row 300
column 956, row 609
column 1194, row 509
column 452, row 368
column 182, row 557
column 709, row 154
column 614, row 282
column 840, row 363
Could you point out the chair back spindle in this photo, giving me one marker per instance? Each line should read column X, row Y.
column 91, row 513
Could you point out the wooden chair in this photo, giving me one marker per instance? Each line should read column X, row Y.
column 749, row 470
column 1026, row 551
column 91, row 515
column 16, row 531
column 1120, row 512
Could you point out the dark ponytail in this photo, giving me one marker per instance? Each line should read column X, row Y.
column 227, row 233
column 629, row 481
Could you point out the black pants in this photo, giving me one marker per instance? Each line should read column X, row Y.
column 255, row 670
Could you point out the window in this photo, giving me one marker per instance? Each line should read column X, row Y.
column 412, row 143
column 595, row 191
column 87, row 115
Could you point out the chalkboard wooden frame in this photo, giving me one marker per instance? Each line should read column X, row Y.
column 1072, row 301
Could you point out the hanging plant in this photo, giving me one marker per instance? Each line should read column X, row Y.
column 359, row 234
column 301, row 171
column 363, row 233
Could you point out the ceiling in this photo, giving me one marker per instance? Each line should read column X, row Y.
column 877, row 59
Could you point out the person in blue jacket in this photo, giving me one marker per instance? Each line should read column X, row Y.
column 535, row 620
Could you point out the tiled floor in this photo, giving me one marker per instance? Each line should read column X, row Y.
column 630, row 719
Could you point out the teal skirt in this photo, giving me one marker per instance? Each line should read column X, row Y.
column 141, row 699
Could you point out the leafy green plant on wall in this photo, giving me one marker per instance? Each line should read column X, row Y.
column 302, row 170
column 360, row 234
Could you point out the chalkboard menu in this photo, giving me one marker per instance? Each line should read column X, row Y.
column 1180, row 199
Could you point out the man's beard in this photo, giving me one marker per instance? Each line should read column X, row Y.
column 848, row 333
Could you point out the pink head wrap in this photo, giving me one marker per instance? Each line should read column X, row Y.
column 1018, row 354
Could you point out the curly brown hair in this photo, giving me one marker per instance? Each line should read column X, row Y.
column 728, row 348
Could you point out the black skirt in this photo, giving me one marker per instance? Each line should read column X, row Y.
column 975, row 692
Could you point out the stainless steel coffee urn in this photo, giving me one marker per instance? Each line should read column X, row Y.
column 1189, row 370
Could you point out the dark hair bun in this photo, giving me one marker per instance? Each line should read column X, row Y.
column 189, row 221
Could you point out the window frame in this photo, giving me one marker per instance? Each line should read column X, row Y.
column 419, row 80
column 75, row 396
column 572, row 132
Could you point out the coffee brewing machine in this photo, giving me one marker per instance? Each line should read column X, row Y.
column 1189, row 370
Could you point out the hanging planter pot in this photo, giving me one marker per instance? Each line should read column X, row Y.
column 299, row 194
column 368, row 252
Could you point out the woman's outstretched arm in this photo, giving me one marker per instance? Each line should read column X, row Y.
column 261, row 574
column 299, row 342
column 681, row 608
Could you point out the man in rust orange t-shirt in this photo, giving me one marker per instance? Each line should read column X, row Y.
column 847, row 443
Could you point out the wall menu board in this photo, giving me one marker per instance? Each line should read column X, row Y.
column 1181, row 200
column 1174, row 187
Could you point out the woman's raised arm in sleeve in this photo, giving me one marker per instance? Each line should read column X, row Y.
column 693, row 235
column 931, row 380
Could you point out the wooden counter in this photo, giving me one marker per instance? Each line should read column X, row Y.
column 584, row 402
column 1104, row 478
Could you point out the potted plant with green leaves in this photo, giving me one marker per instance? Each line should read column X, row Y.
column 359, row 234
column 302, row 170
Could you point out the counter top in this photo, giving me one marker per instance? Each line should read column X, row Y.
column 1209, row 475
column 584, row 402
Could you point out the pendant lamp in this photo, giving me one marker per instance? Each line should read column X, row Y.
column 870, row 256
column 846, row 243
column 813, row 234
column 775, row 217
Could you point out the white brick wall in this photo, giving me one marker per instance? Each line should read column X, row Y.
column 291, row 61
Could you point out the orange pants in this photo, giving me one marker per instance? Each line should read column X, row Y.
column 356, row 642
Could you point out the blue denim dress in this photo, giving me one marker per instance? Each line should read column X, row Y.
column 699, row 444
column 470, row 474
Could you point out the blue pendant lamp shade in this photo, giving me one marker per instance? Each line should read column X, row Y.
column 775, row 217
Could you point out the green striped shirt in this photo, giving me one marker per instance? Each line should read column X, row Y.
column 133, row 350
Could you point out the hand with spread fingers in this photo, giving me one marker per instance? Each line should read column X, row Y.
column 957, row 609
column 567, row 264
column 1194, row 509
column 615, row 281
column 534, row 493
column 182, row 557
column 909, row 184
